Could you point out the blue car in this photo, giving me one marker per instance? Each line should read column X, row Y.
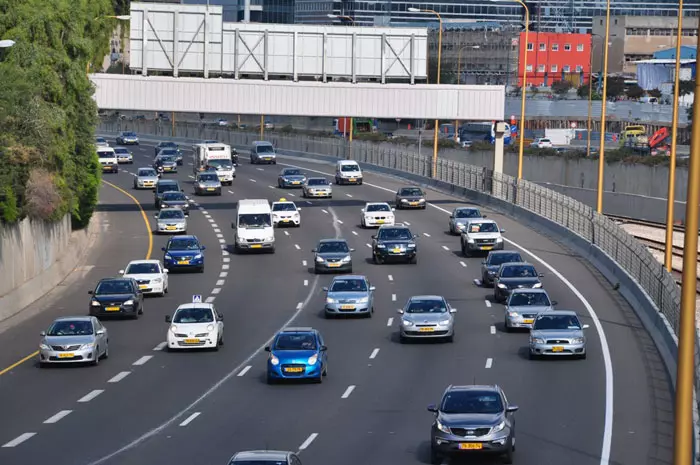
column 184, row 253
column 297, row 353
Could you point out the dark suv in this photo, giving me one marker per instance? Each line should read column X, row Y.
column 394, row 242
column 494, row 260
column 473, row 419
column 515, row 276
column 116, row 297
column 163, row 186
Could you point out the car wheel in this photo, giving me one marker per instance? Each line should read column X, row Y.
column 532, row 355
column 465, row 251
column 201, row 269
column 319, row 378
column 508, row 456
column 435, row 457
column 414, row 260
column 216, row 347
column 402, row 339
column 140, row 310
column 505, row 325
column 582, row 356
column 450, row 339
column 360, row 182
column 162, row 294
column 106, row 354
column 329, row 316
column 271, row 380
column 325, row 370
column 96, row 360
column 379, row 260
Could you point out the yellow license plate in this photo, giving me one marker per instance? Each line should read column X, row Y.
column 294, row 370
column 333, row 265
column 528, row 321
column 486, row 247
column 143, row 286
column 353, row 179
column 256, row 246
column 557, row 349
column 380, row 221
column 286, row 221
column 183, row 262
column 210, row 188
column 66, row 355
column 470, row 446
column 191, row 341
column 170, row 228
column 167, row 168
column 396, row 250
column 426, row 330
column 414, row 203
column 112, row 309
column 296, row 182
column 347, row 307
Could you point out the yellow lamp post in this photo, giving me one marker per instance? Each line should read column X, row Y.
column 604, row 96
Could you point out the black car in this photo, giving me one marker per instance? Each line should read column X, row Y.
column 471, row 420
column 172, row 149
column 394, row 242
column 175, row 200
column 165, row 164
column 410, row 197
column 163, row 186
column 515, row 276
column 118, row 297
column 494, row 260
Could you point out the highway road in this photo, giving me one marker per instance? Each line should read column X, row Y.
column 144, row 406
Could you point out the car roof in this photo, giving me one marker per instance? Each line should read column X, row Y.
column 114, row 279
column 499, row 252
column 170, row 209
column 528, row 291
column 466, row 208
column 377, row 203
column 474, row 387
column 561, row 313
column 349, row 276
column 167, row 181
column 298, row 329
column 75, row 317
column 426, row 297
column 481, row 220
column 261, row 142
column 195, row 305
column 410, row 187
column 146, row 168
column 261, row 455
column 136, row 262
column 332, row 240
column 316, row 177
column 183, row 236
column 517, row 264
column 395, row 225
column 282, row 202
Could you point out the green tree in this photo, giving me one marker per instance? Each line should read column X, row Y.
column 562, row 87
column 615, row 86
column 686, row 87
column 654, row 93
column 634, row 91
column 47, row 114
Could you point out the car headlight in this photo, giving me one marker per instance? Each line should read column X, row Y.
column 173, row 329
column 269, row 238
column 44, row 347
column 498, row 427
column 274, row 360
column 470, row 240
column 319, row 260
column 502, row 286
column 312, row 360
column 95, row 303
column 513, row 314
column 499, row 239
column 407, row 322
column 492, row 273
column 87, row 346
column 346, row 259
column 157, row 280
column 363, row 300
column 128, row 302
column 330, row 300
column 411, row 246
column 198, row 256
column 537, row 285
column 210, row 328
column 578, row 340
column 444, row 322
column 421, row 201
column 442, row 427
column 404, row 200
column 381, row 246
column 460, row 225
column 537, row 340
column 168, row 256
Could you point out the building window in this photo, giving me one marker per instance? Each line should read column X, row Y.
column 579, row 47
column 554, row 68
column 579, row 68
column 540, row 68
column 567, row 69
column 530, row 47
column 567, row 47
column 555, row 47
column 543, row 47
column 528, row 68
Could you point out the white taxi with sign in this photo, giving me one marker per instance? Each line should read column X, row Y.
column 285, row 213
column 150, row 275
column 196, row 325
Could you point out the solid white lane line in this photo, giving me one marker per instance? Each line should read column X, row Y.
column 493, row 330
column 210, row 299
column 297, row 246
column 220, row 282
column 324, row 211
column 286, row 233
column 56, row 418
column 374, row 353
column 161, row 345
column 390, row 321
column 119, row 376
column 393, row 297
column 489, row 363
column 19, row 440
column 226, row 259
column 143, row 360
column 445, row 247
column 354, row 233
column 216, row 290
column 290, row 194
column 306, row 282
column 223, row 274
column 271, row 187
column 190, row 419
column 391, row 278
column 245, row 370
column 426, row 234
column 348, row 391
column 308, row 441
column 488, row 303
column 300, row 305
column 225, row 266
column 303, row 263
column 463, row 264
column 91, row 395
column 349, row 195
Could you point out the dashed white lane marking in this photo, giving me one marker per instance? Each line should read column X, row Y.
column 426, row 234
column 216, row 230
column 143, row 360
column 354, row 233
column 225, row 266
column 190, row 176
column 271, row 187
column 56, row 418
column 308, row 441
column 391, row 278
column 348, row 391
column 253, row 180
column 205, row 213
column 299, row 305
column 19, row 440
column 290, row 194
column 306, row 282
column 393, row 297
column 91, row 395
column 286, row 233
column 368, row 245
column 339, row 221
column 216, row 290
column 220, row 282
column 303, row 263
column 488, row 303
column 349, row 195
column 119, row 376
column 219, row 235
column 210, row 299
column 445, row 247
column 230, row 192
column 324, row 211
column 297, row 246
column 224, row 252
column 477, row 282
column 226, row 259
column 309, row 202
column 374, row 353
column 190, row 419
column 245, row 370
column 407, row 223
column 223, row 274
column 222, row 241
column 161, row 345
column 489, row 363
column 210, row 220
column 390, row 321
column 259, row 169
column 463, row 264
column 493, row 330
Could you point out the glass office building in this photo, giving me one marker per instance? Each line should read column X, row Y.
column 262, row 11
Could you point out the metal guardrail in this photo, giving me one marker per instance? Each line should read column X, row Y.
column 598, row 230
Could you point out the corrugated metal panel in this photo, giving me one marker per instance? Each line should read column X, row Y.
column 465, row 102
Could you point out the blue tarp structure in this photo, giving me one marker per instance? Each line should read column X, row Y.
column 652, row 74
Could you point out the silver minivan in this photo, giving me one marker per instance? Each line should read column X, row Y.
column 262, row 152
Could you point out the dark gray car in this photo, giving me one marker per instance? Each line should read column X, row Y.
column 175, row 200
column 410, row 197
column 473, row 419
column 332, row 255
column 460, row 216
column 494, row 260
column 515, row 276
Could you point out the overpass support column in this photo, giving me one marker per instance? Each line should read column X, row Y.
column 497, row 186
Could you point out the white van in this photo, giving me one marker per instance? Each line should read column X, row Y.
column 262, row 152
column 253, row 226
column 108, row 159
column 348, row 172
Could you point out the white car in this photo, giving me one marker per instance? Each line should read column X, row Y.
column 101, row 142
column 285, row 213
column 377, row 214
column 150, row 275
column 542, row 143
column 195, row 325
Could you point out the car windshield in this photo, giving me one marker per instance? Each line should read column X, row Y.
column 183, row 244
column 467, row 213
column 100, row 140
column 483, row 228
column 398, row 234
column 254, row 220
column 104, row 154
column 168, row 187
column 284, row 207
column 529, row 299
column 173, row 196
column 194, row 315
column 129, row 134
column 143, row 268
column 478, row 402
column 265, row 149
column 333, row 247
column 426, row 306
column 295, row 342
column 121, row 150
column 165, row 159
column 318, row 182
column 557, row 322
column 70, row 328
column 221, row 164
column 378, row 207
column 167, row 144
column 259, row 462
column 518, row 271
column 291, row 172
column 349, row 285
column 349, row 167
column 411, row 191
column 500, row 258
column 147, row 173
column 114, row 287
column 171, row 214
column 208, row 177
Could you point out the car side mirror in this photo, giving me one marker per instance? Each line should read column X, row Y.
column 374, row 236
column 313, row 250
column 362, row 210
column 484, row 216
column 267, row 349
column 432, row 408
column 325, row 288
column 554, row 302
column 233, row 225
column 453, row 310
column 166, row 271
column 503, row 231
column 90, row 292
column 220, row 317
column 155, row 215
column 415, row 236
column 352, row 250
column 298, row 209
column 399, row 311
column 372, row 288
column 168, row 319
column 100, row 332
column 452, row 217
column 586, row 326
column 324, row 348
column 393, row 209
column 43, row 333
column 540, row 275
column 121, row 271
column 483, row 262
column 204, row 247
column 512, row 408
column 163, row 249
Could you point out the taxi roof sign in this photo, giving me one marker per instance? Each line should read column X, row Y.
column 283, row 199
column 197, row 299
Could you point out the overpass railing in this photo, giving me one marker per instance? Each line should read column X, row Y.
column 657, row 285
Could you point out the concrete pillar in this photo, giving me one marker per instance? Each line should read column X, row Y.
column 497, row 187
column 246, row 11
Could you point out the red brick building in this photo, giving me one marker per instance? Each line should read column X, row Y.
column 553, row 56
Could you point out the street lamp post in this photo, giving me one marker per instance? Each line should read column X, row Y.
column 459, row 75
column 590, row 97
column 604, row 96
column 437, row 122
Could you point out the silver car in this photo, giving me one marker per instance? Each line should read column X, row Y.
column 207, row 183
column 523, row 306
column 317, row 187
column 460, row 216
column 349, row 295
column 264, row 457
column 332, row 255
column 171, row 220
column 146, row 178
column 427, row 317
column 74, row 339
column 557, row 333
column 123, row 155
